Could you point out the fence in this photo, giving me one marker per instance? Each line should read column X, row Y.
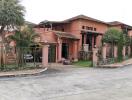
column 107, row 61
column 83, row 55
column 12, row 58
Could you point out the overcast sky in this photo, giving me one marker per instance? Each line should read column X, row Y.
column 105, row 10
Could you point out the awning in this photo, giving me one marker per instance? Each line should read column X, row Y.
column 90, row 32
column 66, row 35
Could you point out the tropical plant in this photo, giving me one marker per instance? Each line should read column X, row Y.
column 23, row 39
column 11, row 16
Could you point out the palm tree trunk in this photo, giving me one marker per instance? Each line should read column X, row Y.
column 2, row 46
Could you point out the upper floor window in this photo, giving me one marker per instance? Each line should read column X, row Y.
column 62, row 29
column 95, row 29
column 83, row 27
column 89, row 28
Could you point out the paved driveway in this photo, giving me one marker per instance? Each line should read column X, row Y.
column 70, row 84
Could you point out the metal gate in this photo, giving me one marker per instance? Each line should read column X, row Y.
column 12, row 58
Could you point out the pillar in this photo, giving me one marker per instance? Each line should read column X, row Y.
column 124, row 51
column 75, row 50
column 45, row 55
column 59, row 50
column 104, row 51
column 92, row 41
column 115, row 51
column 129, row 50
column 95, row 57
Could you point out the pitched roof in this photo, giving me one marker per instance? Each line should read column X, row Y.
column 115, row 23
column 84, row 17
column 74, row 18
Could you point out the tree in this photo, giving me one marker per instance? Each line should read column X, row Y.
column 11, row 16
column 23, row 39
column 116, row 37
column 112, row 35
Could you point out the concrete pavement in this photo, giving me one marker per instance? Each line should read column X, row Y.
column 69, row 83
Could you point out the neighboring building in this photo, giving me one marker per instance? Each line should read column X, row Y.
column 70, row 36
column 127, row 29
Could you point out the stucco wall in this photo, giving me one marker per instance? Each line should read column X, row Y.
column 46, row 35
column 76, row 27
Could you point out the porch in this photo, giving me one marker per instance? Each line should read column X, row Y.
column 90, row 40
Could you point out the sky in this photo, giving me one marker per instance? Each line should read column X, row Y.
column 58, row 10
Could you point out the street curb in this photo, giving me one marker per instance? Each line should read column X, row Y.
column 114, row 66
column 23, row 74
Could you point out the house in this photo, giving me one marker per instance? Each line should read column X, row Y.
column 68, row 37
column 127, row 29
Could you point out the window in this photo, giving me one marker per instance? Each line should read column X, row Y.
column 95, row 29
column 87, row 28
column 62, row 29
column 83, row 27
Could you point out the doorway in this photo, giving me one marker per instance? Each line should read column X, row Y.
column 89, row 41
column 52, row 53
column 65, row 50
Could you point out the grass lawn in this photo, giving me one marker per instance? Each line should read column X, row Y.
column 83, row 63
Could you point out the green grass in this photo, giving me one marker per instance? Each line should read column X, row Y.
column 83, row 63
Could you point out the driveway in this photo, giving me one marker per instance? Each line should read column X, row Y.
column 69, row 83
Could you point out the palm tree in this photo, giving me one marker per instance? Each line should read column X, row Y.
column 11, row 16
column 23, row 39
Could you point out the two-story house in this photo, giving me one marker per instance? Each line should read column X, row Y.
column 68, row 37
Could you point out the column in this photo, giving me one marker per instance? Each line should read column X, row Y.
column 85, row 39
column 92, row 41
column 75, row 50
column 115, row 52
column 129, row 50
column 104, row 51
column 59, row 50
column 124, row 51
column 45, row 50
column 95, row 57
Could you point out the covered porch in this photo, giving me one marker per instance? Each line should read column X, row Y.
column 90, row 40
column 67, row 46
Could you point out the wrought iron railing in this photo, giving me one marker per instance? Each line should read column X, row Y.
column 107, row 61
column 83, row 55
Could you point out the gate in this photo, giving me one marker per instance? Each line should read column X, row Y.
column 12, row 58
column 83, row 55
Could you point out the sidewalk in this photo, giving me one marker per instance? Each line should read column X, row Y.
column 22, row 72
column 116, row 65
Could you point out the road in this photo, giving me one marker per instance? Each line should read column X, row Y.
column 70, row 83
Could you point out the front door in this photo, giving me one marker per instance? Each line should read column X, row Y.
column 65, row 50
